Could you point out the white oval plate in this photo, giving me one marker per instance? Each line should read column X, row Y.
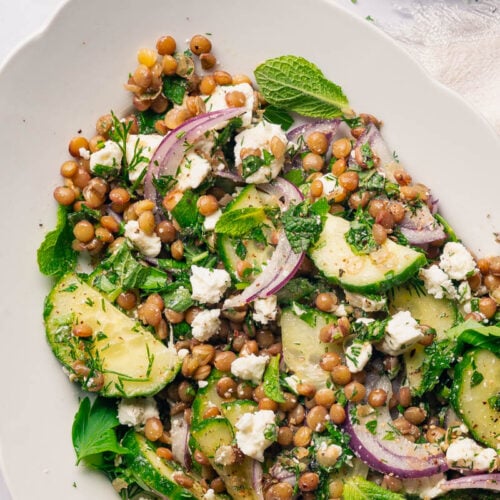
column 73, row 72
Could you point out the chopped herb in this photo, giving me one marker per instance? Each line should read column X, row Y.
column 476, row 378
column 164, row 184
column 251, row 164
column 174, row 88
column 239, row 222
column 186, row 212
column 302, row 226
column 360, row 235
column 494, row 402
column 372, row 426
column 271, row 381
column 273, row 114
column 146, row 121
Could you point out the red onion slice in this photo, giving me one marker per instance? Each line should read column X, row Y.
column 180, row 441
column 284, row 262
column 388, row 452
column 480, row 481
column 257, row 479
column 171, row 150
column 420, row 228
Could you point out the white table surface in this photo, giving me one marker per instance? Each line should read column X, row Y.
column 457, row 41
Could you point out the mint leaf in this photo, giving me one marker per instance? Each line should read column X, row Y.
column 146, row 121
column 357, row 488
column 241, row 221
column 55, row 256
column 174, row 88
column 93, row 430
column 178, row 300
column 294, row 84
column 302, row 226
column 273, row 114
column 272, row 387
column 360, row 235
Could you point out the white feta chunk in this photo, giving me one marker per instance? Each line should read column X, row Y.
column 437, row 283
column 208, row 284
column 265, row 310
column 425, row 487
column 252, row 429
column 464, row 292
column 148, row 245
column 260, row 137
column 135, row 412
column 84, row 153
column 211, row 220
column 401, row 333
column 465, row 453
column 456, row 261
column 193, row 170
column 217, row 100
column 206, row 324
column 330, row 184
column 140, row 146
column 357, row 356
column 108, row 158
column 365, row 303
column 209, row 495
column 249, row 367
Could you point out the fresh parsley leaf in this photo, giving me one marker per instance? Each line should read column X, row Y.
column 186, row 212
column 292, row 83
column 239, row 222
column 84, row 213
column 296, row 177
column 146, row 121
column 494, row 402
column 369, row 332
column 240, row 250
column 164, row 183
column 174, row 88
column 93, row 430
column 179, row 299
column 440, row 356
column 302, row 226
column 476, row 378
column 372, row 426
column 55, row 255
column 371, row 180
column 360, row 235
column 296, row 289
column 272, row 388
column 280, row 117
column 251, row 164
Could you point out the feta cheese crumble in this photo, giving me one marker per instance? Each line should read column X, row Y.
column 136, row 411
column 365, row 303
column 217, row 100
column 357, row 356
column 206, row 324
column 401, row 333
column 456, row 261
column 208, row 284
column 251, row 430
column 140, row 146
column 209, row 495
column 425, row 487
column 193, row 170
column 148, row 245
column 109, row 156
column 437, row 283
column 249, row 367
column 211, row 220
column 465, row 453
column 265, row 310
column 260, row 137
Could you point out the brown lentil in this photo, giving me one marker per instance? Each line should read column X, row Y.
column 153, row 429
column 302, row 436
column 337, row 414
column 226, row 387
column 308, row 481
column 312, row 162
column 377, row 398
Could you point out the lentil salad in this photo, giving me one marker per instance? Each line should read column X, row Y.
column 222, row 266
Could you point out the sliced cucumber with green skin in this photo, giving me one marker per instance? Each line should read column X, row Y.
column 439, row 314
column 257, row 254
column 210, row 435
column 392, row 264
column 157, row 474
column 475, row 393
column 132, row 362
column 234, row 410
column 207, row 397
column 302, row 349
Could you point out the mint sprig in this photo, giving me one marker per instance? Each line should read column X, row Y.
column 294, row 84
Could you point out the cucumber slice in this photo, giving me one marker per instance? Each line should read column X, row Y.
column 390, row 265
column 131, row 360
column 157, row 474
column 302, row 348
column 257, row 254
column 439, row 314
column 234, row 410
column 214, row 433
column 207, row 397
column 475, row 390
